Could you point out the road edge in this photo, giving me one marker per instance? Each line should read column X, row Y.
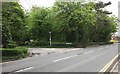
column 109, row 65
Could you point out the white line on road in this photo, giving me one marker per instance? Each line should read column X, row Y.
column 88, row 52
column 24, row 69
column 100, row 48
column 104, row 69
column 70, row 57
column 65, row 58
column 114, row 67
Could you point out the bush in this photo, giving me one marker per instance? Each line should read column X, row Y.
column 62, row 44
column 53, row 44
column 11, row 44
column 40, row 43
column 101, row 43
column 105, row 43
column 14, row 53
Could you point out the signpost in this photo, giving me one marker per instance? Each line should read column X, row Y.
column 50, row 37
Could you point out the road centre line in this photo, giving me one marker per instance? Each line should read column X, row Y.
column 65, row 58
column 70, row 57
column 100, row 48
column 88, row 52
column 24, row 69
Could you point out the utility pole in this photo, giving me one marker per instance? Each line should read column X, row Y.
column 119, row 18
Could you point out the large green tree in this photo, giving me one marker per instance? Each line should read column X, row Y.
column 103, row 29
column 39, row 23
column 13, row 26
column 75, row 20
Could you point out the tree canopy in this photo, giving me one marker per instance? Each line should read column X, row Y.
column 75, row 22
column 13, row 23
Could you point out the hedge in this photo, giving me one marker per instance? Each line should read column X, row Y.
column 53, row 44
column 62, row 44
column 13, row 53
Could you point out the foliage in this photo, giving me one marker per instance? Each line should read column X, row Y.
column 39, row 24
column 105, row 25
column 11, row 44
column 62, row 45
column 13, row 23
column 75, row 22
column 13, row 53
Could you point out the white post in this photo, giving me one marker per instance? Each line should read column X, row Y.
column 50, row 38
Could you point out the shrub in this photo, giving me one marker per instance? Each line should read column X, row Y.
column 13, row 53
column 46, row 44
column 62, row 44
column 40, row 43
column 11, row 44
column 105, row 43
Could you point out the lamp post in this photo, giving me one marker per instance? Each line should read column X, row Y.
column 119, row 18
column 50, row 37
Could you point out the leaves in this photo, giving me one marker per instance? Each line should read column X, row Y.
column 39, row 23
column 75, row 22
column 12, row 22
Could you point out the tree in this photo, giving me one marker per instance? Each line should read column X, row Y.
column 39, row 23
column 75, row 20
column 103, row 29
column 13, row 25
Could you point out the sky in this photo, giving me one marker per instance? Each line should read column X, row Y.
column 27, row 4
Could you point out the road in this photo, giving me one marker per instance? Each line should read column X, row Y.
column 91, row 59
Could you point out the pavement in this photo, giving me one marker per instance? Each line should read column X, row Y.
column 91, row 59
column 48, row 51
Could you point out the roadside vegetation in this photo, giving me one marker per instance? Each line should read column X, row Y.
column 11, row 54
column 73, row 24
column 81, row 24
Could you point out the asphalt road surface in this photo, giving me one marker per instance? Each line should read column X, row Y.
column 91, row 59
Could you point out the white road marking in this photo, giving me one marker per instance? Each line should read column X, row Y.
column 109, row 64
column 114, row 67
column 88, row 52
column 100, row 48
column 24, row 69
column 70, row 57
column 65, row 58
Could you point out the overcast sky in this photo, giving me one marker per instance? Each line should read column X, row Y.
column 27, row 4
